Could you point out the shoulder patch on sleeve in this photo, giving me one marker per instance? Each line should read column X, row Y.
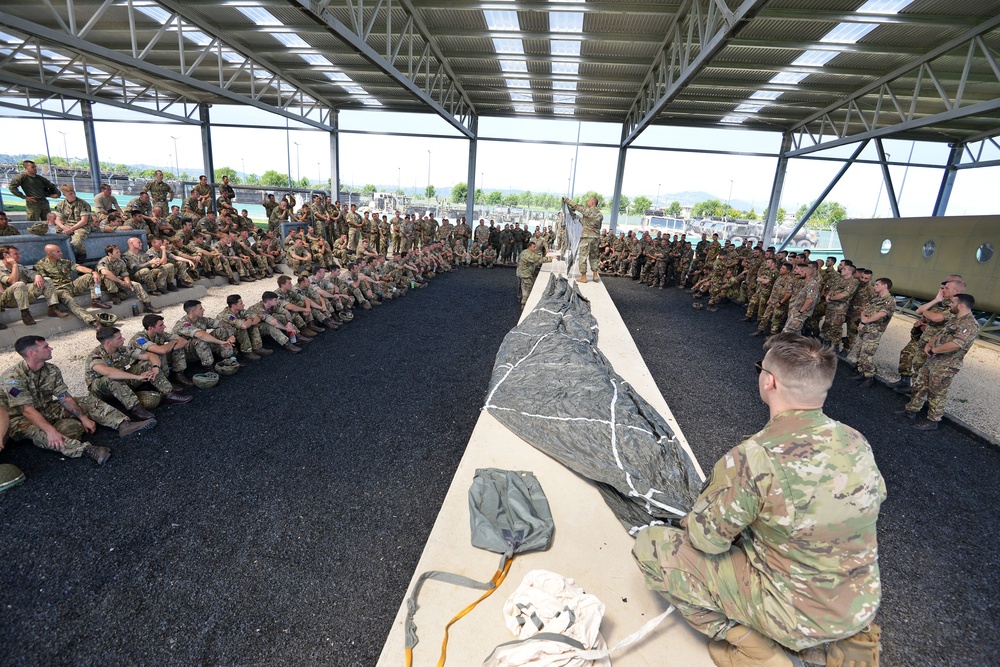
column 141, row 341
column 14, row 391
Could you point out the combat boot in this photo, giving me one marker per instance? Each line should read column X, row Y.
column 292, row 348
column 262, row 351
column 862, row 649
column 582, row 279
column 127, row 428
column 745, row 647
column 858, row 376
column 174, row 397
column 26, row 317
column 97, row 303
column 55, row 312
column 140, row 413
column 147, row 307
column 99, row 454
column 596, row 279
column 904, row 381
column 179, row 378
column 251, row 356
column 868, row 383
column 903, row 412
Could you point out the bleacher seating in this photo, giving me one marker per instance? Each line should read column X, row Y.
column 96, row 242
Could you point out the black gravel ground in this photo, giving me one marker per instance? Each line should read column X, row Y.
column 276, row 519
column 939, row 539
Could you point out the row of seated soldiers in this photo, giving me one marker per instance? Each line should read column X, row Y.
column 36, row 404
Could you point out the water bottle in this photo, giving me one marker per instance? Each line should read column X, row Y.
column 135, row 309
column 97, row 289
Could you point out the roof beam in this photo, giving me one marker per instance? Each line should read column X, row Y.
column 879, row 109
column 877, row 49
column 699, row 27
column 812, row 16
column 591, row 6
column 440, row 91
column 179, row 84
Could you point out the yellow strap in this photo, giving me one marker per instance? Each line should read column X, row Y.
column 496, row 580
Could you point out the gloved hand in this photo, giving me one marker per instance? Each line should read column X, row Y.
column 861, row 650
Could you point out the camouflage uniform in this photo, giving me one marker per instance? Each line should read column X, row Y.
column 933, row 381
column 120, row 269
column 804, row 496
column 269, row 320
column 199, row 348
column 528, row 266
column 60, row 273
column 836, row 311
column 864, row 294
column 124, row 359
column 42, row 391
column 142, row 341
column 161, row 194
column 871, row 333
column 138, row 263
column 758, row 302
column 247, row 339
column 24, row 291
column 796, row 317
column 776, row 311
column 71, row 213
column 489, row 257
column 353, row 221
column 591, row 218
column 23, row 186
column 931, row 330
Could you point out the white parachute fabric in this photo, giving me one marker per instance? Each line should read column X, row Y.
column 554, row 389
column 574, row 230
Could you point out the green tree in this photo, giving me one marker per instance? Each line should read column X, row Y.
column 601, row 203
column 710, row 208
column 623, row 205
column 368, row 190
column 525, row 198
column 459, row 192
column 304, row 182
column 510, row 200
column 226, row 171
column 187, row 177
column 430, row 192
column 399, row 192
column 495, row 198
column 480, row 196
column 675, row 209
column 826, row 216
column 640, row 204
column 751, row 215
column 253, row 179
column 273, row 178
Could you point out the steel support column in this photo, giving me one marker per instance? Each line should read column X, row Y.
column 470, row 197
column 91, row 138
column 616, row 199
column 819, row 200
column 335, row 154
column 206, row 148
column 948, row 180
column 776, row 188
column 887, row 179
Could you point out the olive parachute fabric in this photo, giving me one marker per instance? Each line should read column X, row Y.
column 553, row 388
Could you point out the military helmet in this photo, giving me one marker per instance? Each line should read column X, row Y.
column 697, row 305
column 205, row 380
column 106, row 319
column 227, row 367
column 10, row 476
column 149, row 399
column 345, row 315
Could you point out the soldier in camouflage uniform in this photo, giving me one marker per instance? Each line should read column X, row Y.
column 42, row 410
column 277, row 215
column 159, row 191
column 764, row 281
column 944, row 353
column 838, row 299
column 933, row 316
column 78, row 220
column 59, row 271
column 246, row 327
column 153, row 337
column 144, row 269
column 115, row 279
column 34, row 189
column 779, row 550
column 20, row 286
column 863, row 294
column 804, row 300
column 276, row 322
column 114, row 371
column 875, row 316
column 591, row 219
column 354, row 225
column 528, row 266
column 776, row 310
column 194, row 327
column 489, row 257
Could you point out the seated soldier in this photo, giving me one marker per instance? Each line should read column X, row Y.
column 298, row 306
column 114, row 371
column 145, row 269
column 780, row 551
column 489, row 257
column 42, row 410
column 322, row 310
column 178, row 271
column 276, row 322
column 194, row 327
column 21, row 286
column 59, row 271
column 153, row 337
column 115, row 278
column 246, row 328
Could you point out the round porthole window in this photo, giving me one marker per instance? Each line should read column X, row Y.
column 886, row 247
column 984, row 252
column 929, row 248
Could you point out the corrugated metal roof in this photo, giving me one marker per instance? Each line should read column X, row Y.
column 779, row 53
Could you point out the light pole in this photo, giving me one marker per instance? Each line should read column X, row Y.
column 399, row 178
column 177, row 163
column 725, row 213
column 72, row 172
column 243, row 166
column 569, row 179
column 428, row 172
column 319, row 176
column 298, row 166
column 657, row 204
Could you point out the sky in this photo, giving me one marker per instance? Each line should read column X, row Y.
column 407, row 161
